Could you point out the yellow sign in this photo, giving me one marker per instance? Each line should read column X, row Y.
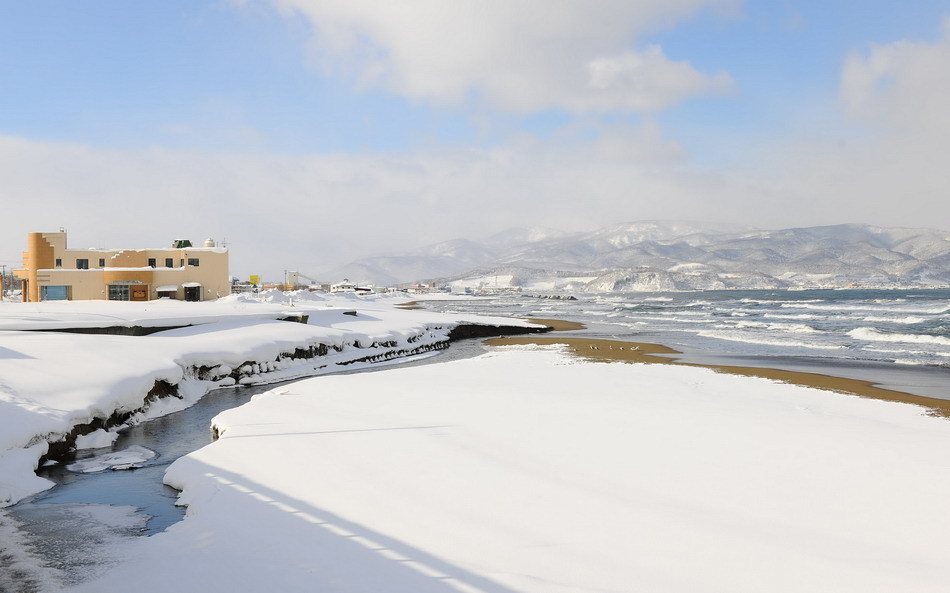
column 255, row 279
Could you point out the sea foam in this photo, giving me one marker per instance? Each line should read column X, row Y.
column 871, row 334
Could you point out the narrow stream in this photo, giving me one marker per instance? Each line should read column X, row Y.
column 69, row 528
column 169, row 437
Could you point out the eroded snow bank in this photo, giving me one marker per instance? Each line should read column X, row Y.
column 52, row 382
column 527, row 471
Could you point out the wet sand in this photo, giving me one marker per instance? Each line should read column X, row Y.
column 642, row 352
column 559, row 325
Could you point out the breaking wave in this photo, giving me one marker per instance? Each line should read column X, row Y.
column 747, row 338
column 789, row 328
column 871, row 334
column 876, row 307
column 799, row 316
column 777, row 302
column 910, row 320
column 906, row 352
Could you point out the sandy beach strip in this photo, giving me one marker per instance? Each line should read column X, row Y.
column 410, row 306
column 641, row 352
column 558, row 325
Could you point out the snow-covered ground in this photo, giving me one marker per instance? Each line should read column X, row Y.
column 51, row 381
column 522, row 470
column 526, row 470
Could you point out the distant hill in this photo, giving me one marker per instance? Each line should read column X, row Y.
column 673, row 255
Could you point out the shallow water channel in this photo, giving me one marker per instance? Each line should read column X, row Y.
column 169, row 437
column 65, row 527
column 69, row 527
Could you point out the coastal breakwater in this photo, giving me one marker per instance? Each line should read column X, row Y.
column 296, row 362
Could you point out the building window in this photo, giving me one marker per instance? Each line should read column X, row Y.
column 102, row 262
column 151, row 262
column 118, row 292
column 82, row 264
column 169, row 262
column 193, row 261
column 54, row 293
column 59, row 263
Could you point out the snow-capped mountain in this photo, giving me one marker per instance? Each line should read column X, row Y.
column 439, row 260
column 672, row 255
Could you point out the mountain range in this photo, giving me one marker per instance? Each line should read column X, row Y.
column 672, row 255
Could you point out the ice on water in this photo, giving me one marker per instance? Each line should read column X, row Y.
column 129, row 458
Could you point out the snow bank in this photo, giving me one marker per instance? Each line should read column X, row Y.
column 96, row 439
column 53, row 384
column 527, row 471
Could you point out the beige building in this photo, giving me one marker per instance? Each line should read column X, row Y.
column 51, row 271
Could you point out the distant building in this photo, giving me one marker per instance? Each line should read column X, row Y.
column 51, row 271
column 345, row 286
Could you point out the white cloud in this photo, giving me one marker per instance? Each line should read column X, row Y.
column 312, row 212
column 903, row 85
column 646, row 81
column 519, row 56
column 886, row 161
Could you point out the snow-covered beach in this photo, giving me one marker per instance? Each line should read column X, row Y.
column 52, row 382
column 527, row 470
column 530, row 469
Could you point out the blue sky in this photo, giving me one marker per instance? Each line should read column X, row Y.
column 207, row 75
column 356, row 128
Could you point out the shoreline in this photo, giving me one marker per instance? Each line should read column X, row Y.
column 720, row 496
column 644, row 489
column 605, row 350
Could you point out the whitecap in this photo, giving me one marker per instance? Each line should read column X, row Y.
column 746, row 338
column 910, row 320
column 871, row 334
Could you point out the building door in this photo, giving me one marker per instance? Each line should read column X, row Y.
column 192, row 293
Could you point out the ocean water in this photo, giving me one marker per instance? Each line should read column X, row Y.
column 896, row 337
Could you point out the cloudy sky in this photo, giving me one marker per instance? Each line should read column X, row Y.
column 308, row 133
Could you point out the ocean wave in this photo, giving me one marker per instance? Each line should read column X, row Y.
column 797, row 316
column 794, row 328
column 602, row 313
column 742, row 325
column 778, row 302
column 906, row 352
column 748, row 338
column 910, row 320
column 857, row 307
column 789, row 328
column 916, row 362
column 631, row 324
column 871, row 334
column 669, row 319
